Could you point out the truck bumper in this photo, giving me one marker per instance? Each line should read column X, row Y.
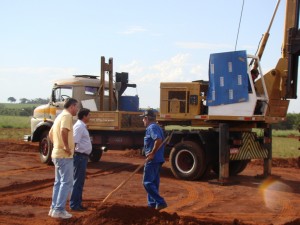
column 27, row 138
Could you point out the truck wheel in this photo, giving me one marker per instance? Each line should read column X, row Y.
column 45, row 148
column 235, row 167
column 241, row 166
column 95, row 155
column 187, row 161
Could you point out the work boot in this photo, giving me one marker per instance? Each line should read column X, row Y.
column 162, row 206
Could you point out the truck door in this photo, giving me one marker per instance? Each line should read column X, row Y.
column 59, row 95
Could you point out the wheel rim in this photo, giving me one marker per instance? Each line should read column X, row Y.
column 185, row 161
column 44, row 147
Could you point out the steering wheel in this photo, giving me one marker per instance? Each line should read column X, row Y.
column 63, row 97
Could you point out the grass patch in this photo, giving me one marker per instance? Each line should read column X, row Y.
column 285, row 133
column 285, row 147
column 279, row 133
column 14, row 133
column 14, row 121
column 17, row 105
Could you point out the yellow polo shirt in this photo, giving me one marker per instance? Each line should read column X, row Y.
column 63, row 120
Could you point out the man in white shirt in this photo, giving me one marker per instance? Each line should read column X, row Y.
column 83, row 148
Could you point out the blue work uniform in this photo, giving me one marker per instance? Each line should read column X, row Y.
column 151, row 178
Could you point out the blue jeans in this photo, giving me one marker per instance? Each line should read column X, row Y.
column 80, row 164
column 63, row 183
column 151, row 180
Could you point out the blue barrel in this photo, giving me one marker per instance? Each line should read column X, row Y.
column 129, row 103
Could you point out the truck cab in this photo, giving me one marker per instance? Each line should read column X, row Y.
column 114, row 122
column 80, row 87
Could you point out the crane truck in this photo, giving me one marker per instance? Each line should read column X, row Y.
column 229, row 106
column 222, row 111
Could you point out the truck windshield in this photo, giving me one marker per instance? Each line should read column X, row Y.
column 91, row 90
column 62, row 93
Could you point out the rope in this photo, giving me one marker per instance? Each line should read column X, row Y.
column 237, row 36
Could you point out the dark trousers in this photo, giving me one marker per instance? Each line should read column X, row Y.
column 80, row 164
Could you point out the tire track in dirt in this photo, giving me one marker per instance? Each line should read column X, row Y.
column 22, row 193
column 280, row 197
column 33, row 201
column 22, row 153
column 282, row 207
column 22, row 170
column 287, row 211
column 18, row 190
column 196, row 194
column 24, row 189
column 106, row 171
column 129, row 168
column 110, row 171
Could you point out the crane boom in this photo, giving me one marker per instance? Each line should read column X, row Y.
column 291, row 47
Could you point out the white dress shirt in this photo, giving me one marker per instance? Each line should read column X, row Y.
column 82, row 138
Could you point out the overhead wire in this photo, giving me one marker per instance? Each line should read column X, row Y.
column 237, row 36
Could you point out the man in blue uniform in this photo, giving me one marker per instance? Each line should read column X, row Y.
column 155, row 158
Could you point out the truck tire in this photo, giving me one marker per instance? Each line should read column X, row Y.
column 95, row 155
column 241, row 167
column 188, row 161
column 45, row 148
column 235, row 167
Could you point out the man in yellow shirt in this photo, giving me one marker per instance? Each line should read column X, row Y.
column 61, row 135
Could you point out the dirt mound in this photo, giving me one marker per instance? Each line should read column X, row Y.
column 20, row 146
column 294, row 222
column 133, row 153
column 124, row 214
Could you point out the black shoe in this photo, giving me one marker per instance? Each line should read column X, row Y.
column 83, row 208
column 80, row 209
column 162, row 206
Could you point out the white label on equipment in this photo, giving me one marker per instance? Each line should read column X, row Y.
column 221, row 81
column 230, row 94
column 229, row 67
column 239, row 79
column 212, row 68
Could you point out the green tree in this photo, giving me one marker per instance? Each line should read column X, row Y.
column 297, row 121
column 38, row 101
column 292, row 122
column 11, row 99
column 23, row 100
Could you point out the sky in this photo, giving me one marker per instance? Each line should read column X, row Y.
column 154, row 41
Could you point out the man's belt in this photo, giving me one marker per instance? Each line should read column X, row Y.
column 79, row 153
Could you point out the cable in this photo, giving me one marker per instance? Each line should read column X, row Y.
column 237, row 36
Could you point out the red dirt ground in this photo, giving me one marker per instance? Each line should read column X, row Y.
column 26, row 188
